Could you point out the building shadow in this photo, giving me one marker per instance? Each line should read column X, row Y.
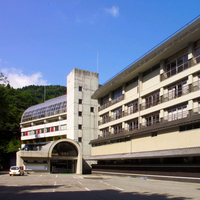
column 38, row 193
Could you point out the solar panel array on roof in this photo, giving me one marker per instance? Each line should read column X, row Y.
column 48, row 108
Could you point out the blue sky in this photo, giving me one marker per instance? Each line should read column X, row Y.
column 42, row 41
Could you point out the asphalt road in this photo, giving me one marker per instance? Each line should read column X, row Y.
column 94, row 187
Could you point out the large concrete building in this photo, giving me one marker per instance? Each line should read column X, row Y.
column 56, row 134
column 149, row 114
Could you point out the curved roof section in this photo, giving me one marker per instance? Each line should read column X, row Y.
column 50, row 107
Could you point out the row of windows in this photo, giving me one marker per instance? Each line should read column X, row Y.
column 174, row 64
column 173, row 113
column 44, row 130
column 173, row 91
column 153, row 134
column 54, row 109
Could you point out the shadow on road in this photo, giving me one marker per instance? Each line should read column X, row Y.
column 39, row 193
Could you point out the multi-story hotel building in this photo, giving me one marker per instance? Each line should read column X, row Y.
column 55, row 134
column 149, row 114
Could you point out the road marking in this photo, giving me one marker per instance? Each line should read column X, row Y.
column 53, row 190
column 87, row 189
column 56, row 176
column 12, row 185
column 118, row 188
column 105, row 183
column 79, row 182
column 112, row 185
column 35, row 184
column 77, row 177
column 40, row 175
column 55, row 183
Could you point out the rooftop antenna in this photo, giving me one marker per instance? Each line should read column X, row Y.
column 44, row 93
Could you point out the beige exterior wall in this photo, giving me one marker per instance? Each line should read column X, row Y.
column 170, row 139
column 122, row 147
column 151, row 79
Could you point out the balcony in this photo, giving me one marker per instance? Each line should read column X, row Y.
column 185, row 117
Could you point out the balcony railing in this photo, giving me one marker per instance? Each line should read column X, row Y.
column 185, row 114
column 150, row 104
column 177, row 70
column 166, row 97
column 118, row 99
column 180, row 68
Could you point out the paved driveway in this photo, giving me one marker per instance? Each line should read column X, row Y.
column 94, row 187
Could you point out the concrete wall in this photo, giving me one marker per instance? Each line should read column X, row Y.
column 89, row 83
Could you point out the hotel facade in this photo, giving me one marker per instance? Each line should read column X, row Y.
column 149, row 114
column 55, row 134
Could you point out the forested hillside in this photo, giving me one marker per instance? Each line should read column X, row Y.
column 50, row 91
column 13, row 102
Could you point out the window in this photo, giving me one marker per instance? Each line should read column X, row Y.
column 117, row 95
column 80, row 126
column 152, row 99
column 199, row 106
column 105, row 102
column 177, row 90
column 132, row 107
column 117, row 113
column 177, row 113
column 177, row 63
column 52, row 129
column 79, row 113
column 105, row 132
column 189, row 127
column 152, row 119
column 132, row 125
column 105, row 118
column 132, row 81
column 197, row 51
column 80, row 88
column 80, row 101
column 91, row 109
column 151, row 70
column 117, row 129
column 153, row 134
column 56, row 128
column 47, row 130
column 79, row 139
column 63, row 127
column 42, row 130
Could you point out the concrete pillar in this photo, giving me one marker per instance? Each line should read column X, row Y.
column 190, row 50
column 163, row 75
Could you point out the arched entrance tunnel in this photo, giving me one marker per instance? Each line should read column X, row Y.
column 64, row 158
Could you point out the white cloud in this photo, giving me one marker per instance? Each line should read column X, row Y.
column 18, row 80
column 114, row 11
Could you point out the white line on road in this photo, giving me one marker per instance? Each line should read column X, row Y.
column 118, row 188
column 87, row 189
column 79, row 182
column 77, row 177
column 35, row 184
column 112, row 185
column 12, row 185
column 55, row 183
column 105, row 183
column 56, row 176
